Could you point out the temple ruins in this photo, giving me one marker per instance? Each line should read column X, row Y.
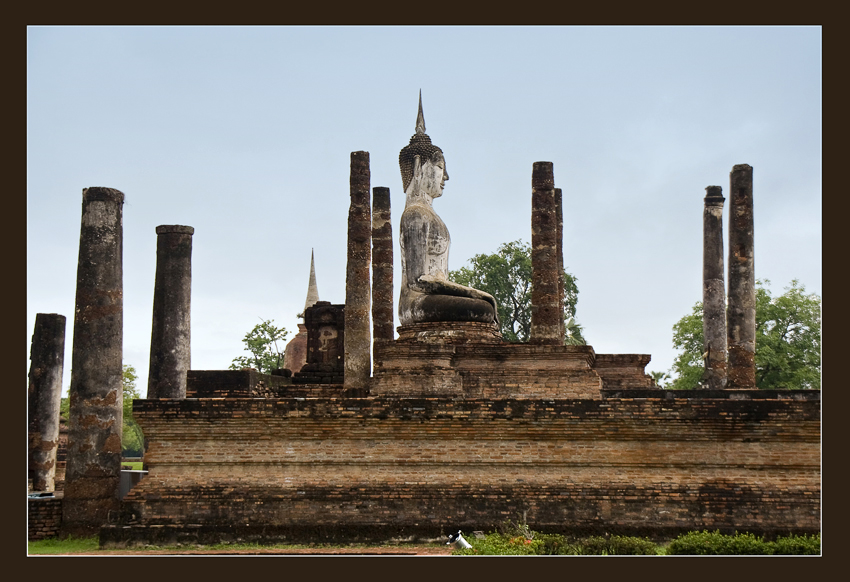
column 446, row 426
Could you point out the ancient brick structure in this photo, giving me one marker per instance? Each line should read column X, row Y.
column 295, row 352
column 546, row 319
column 332, row 469
column 47, row 355
column 741, row 318
column 94, row 437
column 171, row 329
column 326, row 333
column 358, row 341
column 713, row 291
column 44, row 517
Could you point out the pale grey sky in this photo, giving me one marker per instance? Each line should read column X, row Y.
column 245, row 134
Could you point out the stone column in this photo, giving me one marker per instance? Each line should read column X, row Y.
column 545, row 318
column 559, row 214
column 357, row 343
column 94, row 433
column 713, row 291
column 382, row 266
column 170, row 332
column 741, row 370
column 47, row 357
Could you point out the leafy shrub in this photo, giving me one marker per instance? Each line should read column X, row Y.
column 794, row 545
column 556, row 545
column 497, row 544
column 707, row 543
column 616, row 546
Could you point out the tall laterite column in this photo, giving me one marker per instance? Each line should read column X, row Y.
column 357, row 342
column 382, row 266
column 713, row 291
column 94, row 433
column 545, row 317
column 47, row 357
column 741, row 322
column 559, row 215
column 170, row 331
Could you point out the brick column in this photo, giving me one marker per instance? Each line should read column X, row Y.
column 170, row 332
column 741, row 320
column 94, row 433
column 357, row 343
column 47, row 357
column 559, row 215
column 713, row 290
column 382, row 266
column 545, row 326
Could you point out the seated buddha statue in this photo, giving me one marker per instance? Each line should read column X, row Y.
column 427, row 294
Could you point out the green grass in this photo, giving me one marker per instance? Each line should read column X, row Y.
column 134, row 465
column 69, row 545
column 56, row 546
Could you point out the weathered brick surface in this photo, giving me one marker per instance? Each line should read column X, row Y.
column 44, row 517
column 377, row 468
column 491, row 370
column 623, row 370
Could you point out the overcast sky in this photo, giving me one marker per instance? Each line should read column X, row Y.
column 245, row 133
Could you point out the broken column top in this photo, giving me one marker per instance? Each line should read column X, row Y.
column 543, row 176
column 714, row 194
column 741, row 167
column 101, row 193
column 175, row 229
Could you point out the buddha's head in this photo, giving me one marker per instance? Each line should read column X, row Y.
column 432, row 164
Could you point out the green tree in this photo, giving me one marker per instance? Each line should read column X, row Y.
column 788, row 341
column 262, row 343
column 132, row 439
column 506, row 275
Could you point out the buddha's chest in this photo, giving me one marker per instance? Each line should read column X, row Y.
column 438, row 238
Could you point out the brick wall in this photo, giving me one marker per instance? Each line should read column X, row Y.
column 44, row 517
column 366, row 468
column 522, row 371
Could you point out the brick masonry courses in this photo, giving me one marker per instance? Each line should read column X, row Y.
column 337, row 469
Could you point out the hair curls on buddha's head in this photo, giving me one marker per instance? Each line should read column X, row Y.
column 420, row 145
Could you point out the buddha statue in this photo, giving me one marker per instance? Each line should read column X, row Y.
column 427, row 295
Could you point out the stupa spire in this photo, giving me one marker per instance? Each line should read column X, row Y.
column 312, row 288
column 420, row 118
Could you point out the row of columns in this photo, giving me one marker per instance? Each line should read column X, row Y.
column 95, row 421
column 370, row 244
column 729, row 330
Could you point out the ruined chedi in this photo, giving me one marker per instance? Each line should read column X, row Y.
column 47, row 356
column 741, row 319
column 295, row 353
column 713, row 291
column 94, row 433
column 170, row 357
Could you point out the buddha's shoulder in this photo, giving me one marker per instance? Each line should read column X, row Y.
column 417, row 212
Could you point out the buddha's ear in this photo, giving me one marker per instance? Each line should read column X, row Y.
column 417, row 162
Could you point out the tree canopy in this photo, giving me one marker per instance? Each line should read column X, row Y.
column 788, row 341
column 506, row 275
column 262, row 344
column 132, row 439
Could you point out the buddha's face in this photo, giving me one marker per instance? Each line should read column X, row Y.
column 434, row 176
